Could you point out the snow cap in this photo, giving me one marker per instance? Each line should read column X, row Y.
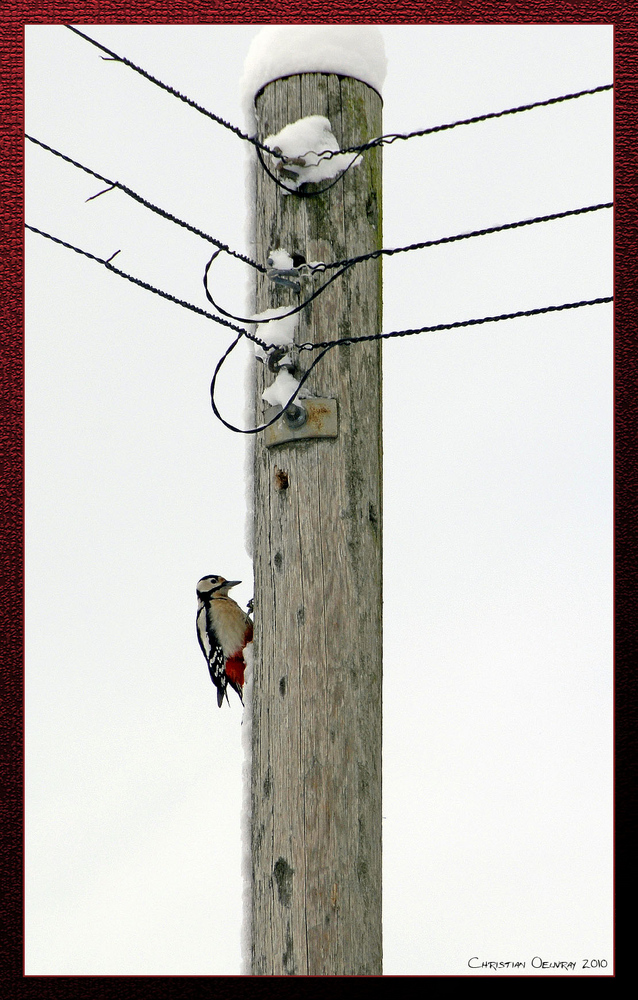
column 355, row 50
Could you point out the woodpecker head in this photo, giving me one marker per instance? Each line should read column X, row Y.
column 214, row 586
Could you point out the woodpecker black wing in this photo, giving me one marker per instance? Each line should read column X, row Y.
column 212, row 650
column 217, row 671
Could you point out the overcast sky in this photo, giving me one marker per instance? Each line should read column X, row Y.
column 497, row 517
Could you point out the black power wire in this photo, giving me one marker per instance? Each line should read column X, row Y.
column 327, row 345
column 172, row 91
column 295, row 309
column 328, row 154
column 387, row 140
column 143, row 201
column 144, row 284
column 343, row 265
column 318, row 267
column 466, row 236
column 324, row 346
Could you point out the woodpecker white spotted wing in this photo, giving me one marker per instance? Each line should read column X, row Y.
column 212, row 650
column 223, row 630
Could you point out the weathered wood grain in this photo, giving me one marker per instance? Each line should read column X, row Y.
column 316, row 769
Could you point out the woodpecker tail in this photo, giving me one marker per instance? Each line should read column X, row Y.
column 221, row 691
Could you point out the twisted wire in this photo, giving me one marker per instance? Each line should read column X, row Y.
column 323, row 266
column 291, row 312
column 174, row 93
column 300, row 191
column 361, row 147
column 322, row 346
column 147, row 204
column 465, row 236
column 387, row 140
column 150, row 288
column 327, row 345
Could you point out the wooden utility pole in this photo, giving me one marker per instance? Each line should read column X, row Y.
column 316, row 760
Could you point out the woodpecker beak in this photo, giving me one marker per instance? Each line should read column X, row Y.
column 231, row 583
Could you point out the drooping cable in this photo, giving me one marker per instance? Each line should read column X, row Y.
column 326, row 346
column 302, row 191
column 291, row 312
column 387, row 140
column 348, row 262
column 359, row 148
column 317, row 267
column 147, row 204
column 323, row 346
column 172, row 91
column 504, row 227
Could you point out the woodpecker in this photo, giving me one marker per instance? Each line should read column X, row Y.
column 223, row 630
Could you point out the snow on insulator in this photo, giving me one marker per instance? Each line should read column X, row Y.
column 355, row 50
column 302, row 143
column 282, row 268
column 275, row 328
column 280, row 259
column 282, row 389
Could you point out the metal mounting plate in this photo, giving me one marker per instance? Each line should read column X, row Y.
column 322, row 422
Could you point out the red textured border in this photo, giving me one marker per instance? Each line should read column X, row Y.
column 13, row 17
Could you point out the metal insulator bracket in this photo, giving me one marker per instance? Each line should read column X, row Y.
column 321, row 420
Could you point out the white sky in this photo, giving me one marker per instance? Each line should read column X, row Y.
column 497, row 521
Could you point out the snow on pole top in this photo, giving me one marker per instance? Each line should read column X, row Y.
column 354, row 50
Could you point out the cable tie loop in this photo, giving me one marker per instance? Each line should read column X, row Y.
column 275, row 358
